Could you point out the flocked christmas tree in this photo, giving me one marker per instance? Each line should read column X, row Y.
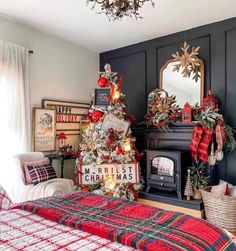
column 188, row 187
column 106, row 145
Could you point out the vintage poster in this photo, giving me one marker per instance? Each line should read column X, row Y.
column 44, row 130
column 121, row 173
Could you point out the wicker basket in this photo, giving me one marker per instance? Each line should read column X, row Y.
column 220, row 210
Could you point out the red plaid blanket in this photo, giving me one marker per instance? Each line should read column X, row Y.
column 21, row 230
column 130, row 223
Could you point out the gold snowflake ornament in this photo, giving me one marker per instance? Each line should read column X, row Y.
column 188, row 62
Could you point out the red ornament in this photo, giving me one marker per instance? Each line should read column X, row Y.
column 97, row 115
column 103, row 82
column 85, row 189
column 187, row 113
column 210, row 101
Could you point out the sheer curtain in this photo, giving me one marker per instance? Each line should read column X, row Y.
column 14, row 109
column 14, row 99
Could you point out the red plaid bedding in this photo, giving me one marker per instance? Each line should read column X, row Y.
column 132, row 224
column 5, row 201
column 21, row 230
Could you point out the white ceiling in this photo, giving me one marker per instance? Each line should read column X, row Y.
column 73, row 20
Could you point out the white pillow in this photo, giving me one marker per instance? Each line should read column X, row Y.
column 232, row 191
column 219, row 189
column 230, row 185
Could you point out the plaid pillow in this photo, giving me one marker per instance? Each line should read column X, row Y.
column 41, row 173
column 5, row 201
column 28, row 179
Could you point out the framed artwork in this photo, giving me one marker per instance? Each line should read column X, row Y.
column 101, row 97
column 68, row 114
column 68, row 117
column 44, row 129
column 119, row 125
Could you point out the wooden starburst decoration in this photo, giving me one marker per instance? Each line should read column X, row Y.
column 164, row 105
column 188, row 62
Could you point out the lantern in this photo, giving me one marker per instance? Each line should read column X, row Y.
column 62, row 139
column 209, row 101
column 187, row 113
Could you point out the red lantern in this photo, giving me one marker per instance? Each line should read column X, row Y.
column 187, row 113
column 209, row 101
column 103, row 82
column 62, row 139
column 97, row 115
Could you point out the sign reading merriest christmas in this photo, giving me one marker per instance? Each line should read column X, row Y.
column 108, row 162
column 121, row 173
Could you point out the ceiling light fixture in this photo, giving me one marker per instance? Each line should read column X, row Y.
column 116, row 9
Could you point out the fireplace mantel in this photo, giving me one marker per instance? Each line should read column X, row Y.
column 177, row 137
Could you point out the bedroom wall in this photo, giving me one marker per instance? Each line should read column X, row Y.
column 140, row 64
column 58, row 69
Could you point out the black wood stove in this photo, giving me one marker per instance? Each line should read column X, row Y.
column 166, row 170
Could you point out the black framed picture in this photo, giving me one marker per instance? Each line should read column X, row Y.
column 102, row 97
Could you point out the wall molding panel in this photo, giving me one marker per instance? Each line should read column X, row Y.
column 140, row 64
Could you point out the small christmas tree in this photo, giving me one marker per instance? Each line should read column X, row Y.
column 188, row 187
column 106, row 145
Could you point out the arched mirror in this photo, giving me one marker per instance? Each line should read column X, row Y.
column 183, row 77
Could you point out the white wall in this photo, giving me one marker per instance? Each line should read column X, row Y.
column 58, row 69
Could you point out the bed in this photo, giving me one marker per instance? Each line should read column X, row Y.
column 86, row 221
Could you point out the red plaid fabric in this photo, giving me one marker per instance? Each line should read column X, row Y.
column 21, row 230
column 196, row 138
column 130, row 223
column 41, row 173
column 204, row 144
column 5, row 201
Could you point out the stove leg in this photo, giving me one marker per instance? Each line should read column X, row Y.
column 179, row 195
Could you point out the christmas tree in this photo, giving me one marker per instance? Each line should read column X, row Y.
column 101, row 144
column 188, row 187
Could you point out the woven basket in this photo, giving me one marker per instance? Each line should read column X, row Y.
column 220, row 209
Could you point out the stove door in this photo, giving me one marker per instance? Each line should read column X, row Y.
column 163, row 169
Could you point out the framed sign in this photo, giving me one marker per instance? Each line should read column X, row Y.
column 44, row 129
column 119, row 125
column 121, row 173
column 101, row 97
column 67, row 113
column 68, row 117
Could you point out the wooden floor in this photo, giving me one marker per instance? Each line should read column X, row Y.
column 195, row 213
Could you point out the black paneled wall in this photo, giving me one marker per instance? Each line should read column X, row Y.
column 140, row 64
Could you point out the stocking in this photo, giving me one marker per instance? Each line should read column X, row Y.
column 204, row 144
column 197, row 135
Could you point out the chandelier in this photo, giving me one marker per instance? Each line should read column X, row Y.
column 116, row 9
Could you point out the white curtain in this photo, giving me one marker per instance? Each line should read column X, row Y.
column 14, row 99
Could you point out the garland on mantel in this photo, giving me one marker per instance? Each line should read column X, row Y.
column 210, row 127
